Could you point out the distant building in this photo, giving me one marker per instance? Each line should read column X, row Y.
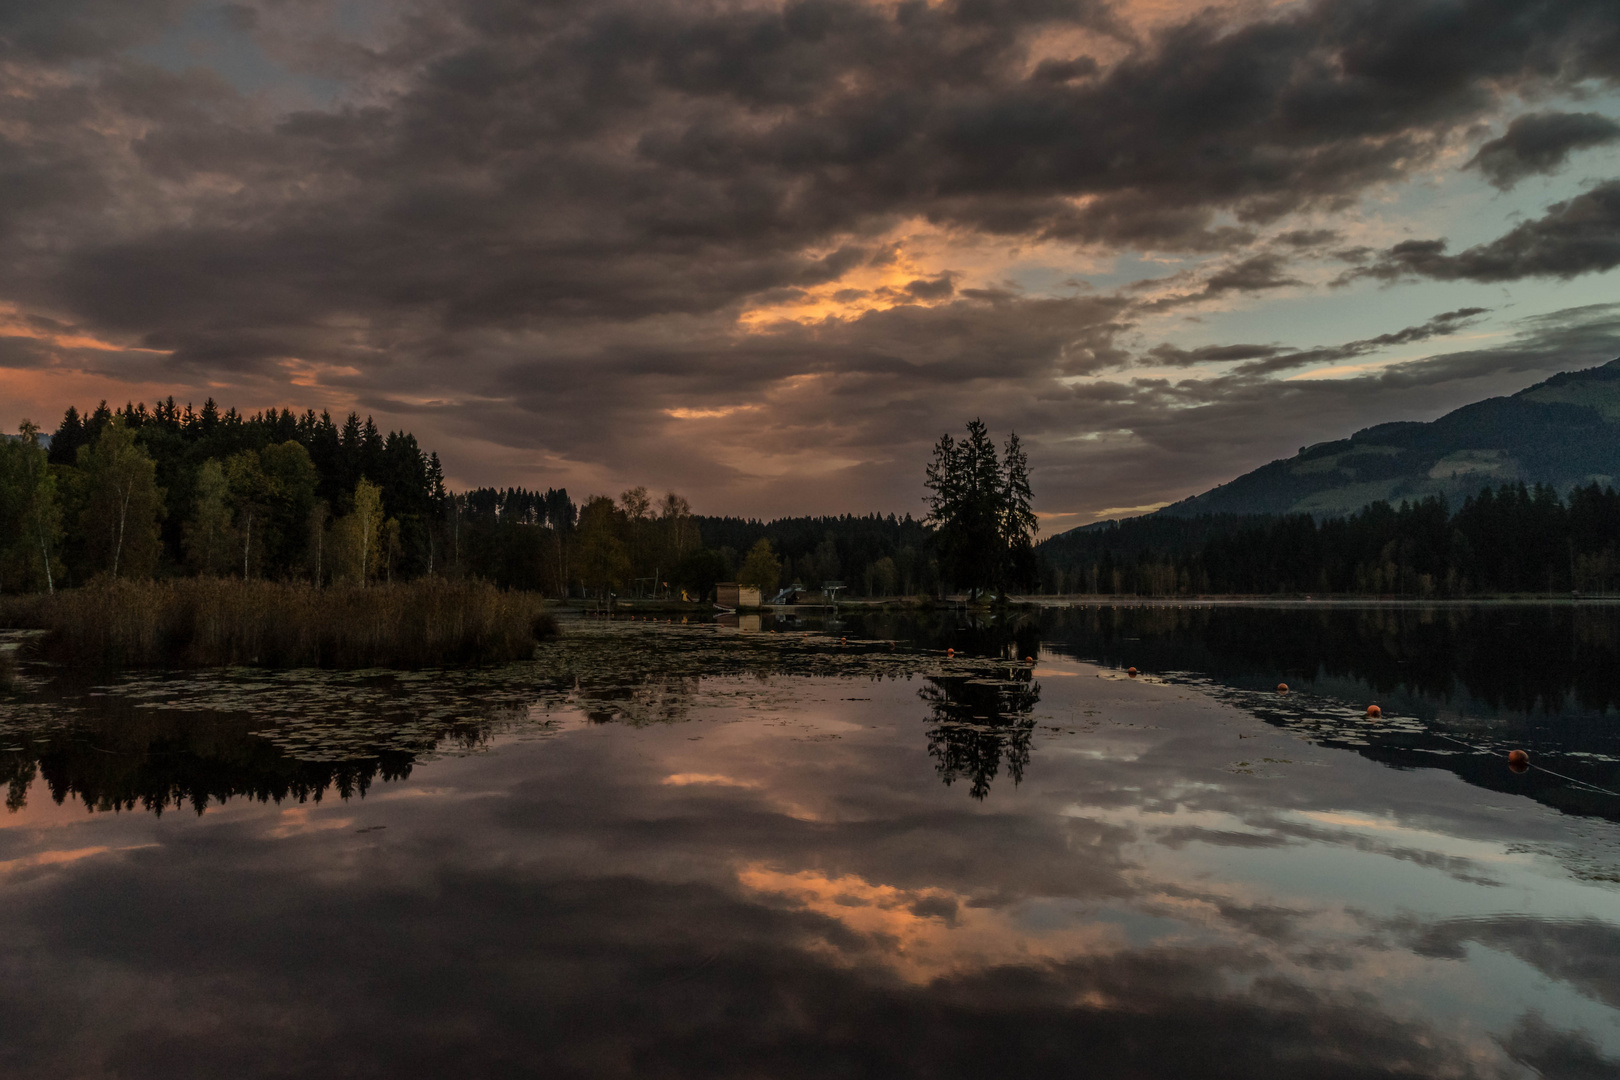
column 729, row 594
column 797, row 594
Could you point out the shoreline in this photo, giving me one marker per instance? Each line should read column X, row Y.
column 1087, row 600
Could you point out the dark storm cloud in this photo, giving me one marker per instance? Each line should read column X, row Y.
column 882, row 388
column 1540, row 143
column 582, row 161
column 65, row 30
column 875, row 385
column 1577, row 236
column 539, row 223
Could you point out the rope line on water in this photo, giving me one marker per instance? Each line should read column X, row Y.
column 1533, row 765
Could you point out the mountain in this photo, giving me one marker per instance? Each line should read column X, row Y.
column 1564, row 432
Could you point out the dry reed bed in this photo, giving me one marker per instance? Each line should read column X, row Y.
column 208, row 622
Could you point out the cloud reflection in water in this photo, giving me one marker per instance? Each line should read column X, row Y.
column 775, row 882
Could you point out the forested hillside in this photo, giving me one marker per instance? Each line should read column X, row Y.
column 1510, row 539
column 1563, row 432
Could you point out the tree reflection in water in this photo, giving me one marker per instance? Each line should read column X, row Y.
column 977, row 723
column 662, row 699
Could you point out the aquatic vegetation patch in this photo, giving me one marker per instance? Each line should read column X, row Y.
column 219, row 622
column 155, row 738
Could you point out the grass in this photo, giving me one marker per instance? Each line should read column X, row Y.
column 213, row 622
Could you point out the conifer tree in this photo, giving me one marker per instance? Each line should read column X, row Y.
column 979, row 507
column 1018, row 521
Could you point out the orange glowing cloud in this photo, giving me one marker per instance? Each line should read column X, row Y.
column 687, row 779
column 57, row 858
column 923, row 933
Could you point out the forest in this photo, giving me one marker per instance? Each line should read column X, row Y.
column 1508, row 539
column 137, row 493
column 168, row 492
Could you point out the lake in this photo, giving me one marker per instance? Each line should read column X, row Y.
column 834, row 848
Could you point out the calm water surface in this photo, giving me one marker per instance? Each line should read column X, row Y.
column 836, row 850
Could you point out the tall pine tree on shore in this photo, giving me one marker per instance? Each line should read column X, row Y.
column 979, row 507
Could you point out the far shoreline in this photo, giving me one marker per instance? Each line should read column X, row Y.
column 878, row 604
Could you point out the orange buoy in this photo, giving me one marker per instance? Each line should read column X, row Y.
column 1131, row 672
column 1374, row 711
column 1518, row 758
column 950, row 652
column 1029, row 659
column 1282, row 688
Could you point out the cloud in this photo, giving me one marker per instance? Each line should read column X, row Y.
column 1256, row 273
column 1582, row 953
column 1577, row 236
column 555, row 223
column 1160, row 439
column 1568, row 1055
column 556, row 905
column 1253, row 274
column 1270, row 359
column 1540, row 143
column 67, row 30
column 633, row 161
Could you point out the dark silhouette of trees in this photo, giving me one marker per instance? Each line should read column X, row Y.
column 977, row 725
column 1510, row 539
column 876, row 554
column 979, row 507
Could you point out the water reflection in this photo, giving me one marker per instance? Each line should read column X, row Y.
column 160, row 762
column 978, row 723
column 685, row 852
column 1459, row 686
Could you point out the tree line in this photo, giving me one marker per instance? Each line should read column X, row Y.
column 171, row 490
column 1507, row 539
column 140, row 492
column 135, row 493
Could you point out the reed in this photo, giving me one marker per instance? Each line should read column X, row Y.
column 210, row 622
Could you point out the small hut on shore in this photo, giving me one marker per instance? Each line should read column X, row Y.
column 729, row 594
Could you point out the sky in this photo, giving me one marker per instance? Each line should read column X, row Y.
column 765, row 254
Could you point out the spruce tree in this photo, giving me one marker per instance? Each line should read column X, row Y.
column 980, row 511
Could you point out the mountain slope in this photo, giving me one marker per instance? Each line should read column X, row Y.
column 1564, row 432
